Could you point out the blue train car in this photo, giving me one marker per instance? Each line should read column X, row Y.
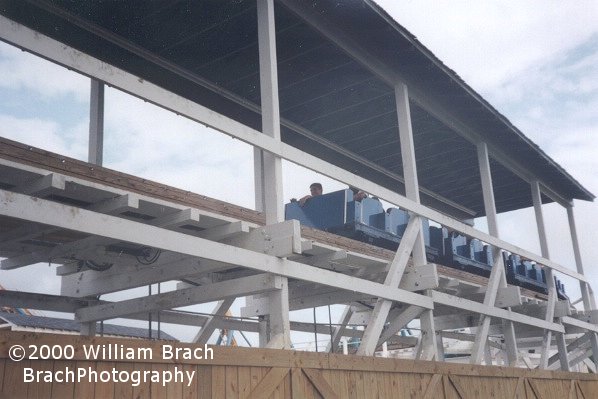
column 363, row 220
column 527, row 274
column 366, row 221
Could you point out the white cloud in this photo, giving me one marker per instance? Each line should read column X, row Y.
column 489, row 42
column 47, row 134
column 22, row 70
column 145, row 140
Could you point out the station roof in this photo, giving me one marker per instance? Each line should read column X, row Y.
column 331, row 105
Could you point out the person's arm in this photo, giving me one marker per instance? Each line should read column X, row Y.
column 303, row 200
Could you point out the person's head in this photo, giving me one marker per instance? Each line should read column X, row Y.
column 315, row 189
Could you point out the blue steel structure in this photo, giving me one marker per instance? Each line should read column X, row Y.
column 367, row 221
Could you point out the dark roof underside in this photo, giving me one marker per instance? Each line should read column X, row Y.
column 331, row 106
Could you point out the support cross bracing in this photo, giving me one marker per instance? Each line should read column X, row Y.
column 588, row 299
column 552, row 294
column 497, row 275
column 64, row 216
column 428, row 347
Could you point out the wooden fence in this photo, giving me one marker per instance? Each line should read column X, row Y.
column 264, row 373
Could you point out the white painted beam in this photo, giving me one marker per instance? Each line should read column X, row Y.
column 338, row 329
column 128, row 274
column 209, row 326
column 571, row 321
column 53, row 303
column 116, row 205
column 589, row 302
column 188, row 216
column 228, row 230
column 509, row 296
column 278, row 239
column 497, row 277
column 397, row 323
column 552, row 294
column 584, row 287
column 181, row 217
column 190, row 296
column 476, row 307
column 96, row 122
column 368, row 344
column 269, row 164
column 428, row 349
column 44, row 185
column 580, row 344
column 69, row 217
column 468, row 337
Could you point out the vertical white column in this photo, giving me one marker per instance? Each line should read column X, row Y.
column 95, row 150
column 552, row 294
column 586, row 294
column 96, row 122
column 268, row 170
column 429, row 348
column 497, row 275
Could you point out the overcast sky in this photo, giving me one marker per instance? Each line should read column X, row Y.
column 535, row 61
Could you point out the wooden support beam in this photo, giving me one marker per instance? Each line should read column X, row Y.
column 589, row 302
column 509, row 296
column 368, row 344
column 209, row 326
column 111, row 206
column 586, row 296
column 127, row 273
column 96, row 122
column 44, row 185
column 399, row 322
column 278, row 239
column 225, row 231
column 184, row 216
column 552, row 294
column 428, row 335
column 497, row 275
column 338, row 329
column 269, row 166
column 228, row 289
column 491, row 311
column 66, row 216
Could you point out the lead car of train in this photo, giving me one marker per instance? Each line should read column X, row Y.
column 367, row 221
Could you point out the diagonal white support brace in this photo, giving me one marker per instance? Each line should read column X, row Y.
column 552, row 294
column 497, row 275
column 428, row 348
column 209, row 326
column 395, row 272
column 410, row 313
column 338, row 330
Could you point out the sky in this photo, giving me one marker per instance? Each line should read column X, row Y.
column 536, row 62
